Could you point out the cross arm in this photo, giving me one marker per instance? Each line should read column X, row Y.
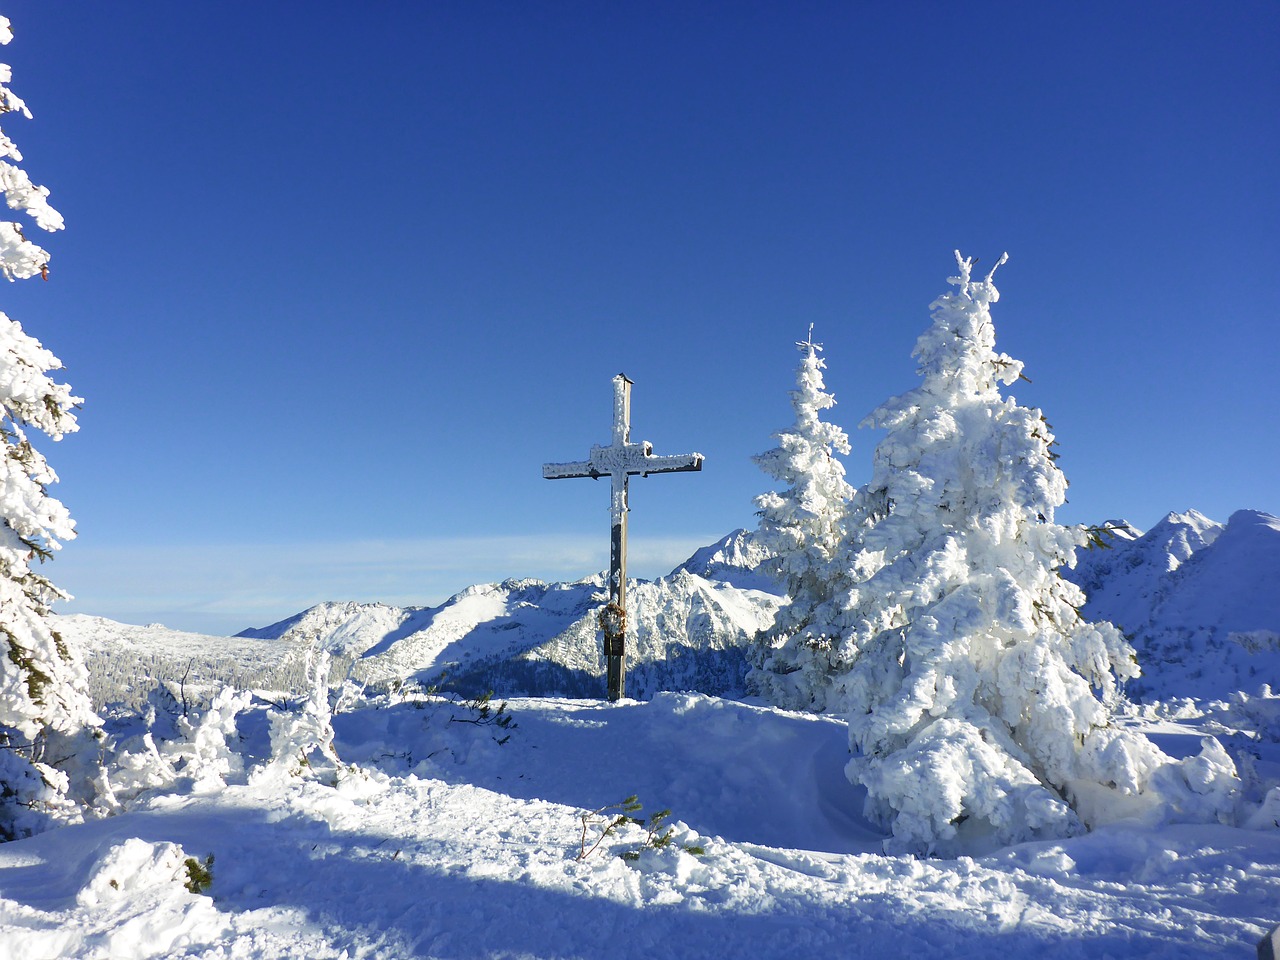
column 562, row 471
column 677, row 463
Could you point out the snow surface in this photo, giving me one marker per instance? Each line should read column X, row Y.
column 431, row 838
column 443, row 843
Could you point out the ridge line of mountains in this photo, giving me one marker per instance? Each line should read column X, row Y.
column 1200, row 600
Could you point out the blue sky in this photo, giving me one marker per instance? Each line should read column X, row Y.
column 338, row 278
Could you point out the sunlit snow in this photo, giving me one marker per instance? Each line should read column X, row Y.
column 430, row 837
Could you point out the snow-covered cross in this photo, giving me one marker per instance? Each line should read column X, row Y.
column 620, row 461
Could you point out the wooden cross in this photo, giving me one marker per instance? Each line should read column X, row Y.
column 620, row 461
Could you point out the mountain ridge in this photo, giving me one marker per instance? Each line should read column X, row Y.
column 1200, row 601
column 1197, row 597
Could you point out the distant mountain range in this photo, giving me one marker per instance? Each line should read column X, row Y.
column 1200, row 599
column 686, row 631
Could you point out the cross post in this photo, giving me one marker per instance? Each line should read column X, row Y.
column 620, row 461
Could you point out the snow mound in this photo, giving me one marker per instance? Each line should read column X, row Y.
column 132, row 902
column 132, row 866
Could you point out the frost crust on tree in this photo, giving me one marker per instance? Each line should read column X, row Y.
column 801, row 528
column 979, row 700
column 48, row 731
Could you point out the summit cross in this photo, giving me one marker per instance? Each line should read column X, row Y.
column 620, row 461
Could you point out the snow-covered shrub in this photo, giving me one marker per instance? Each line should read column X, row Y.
column 1266, row 816
column 659, row 833
column 979, row 700
column 199, row 874
column 47, row 726
column 1255, row 722
column 801, row 527
column 350, row 695
column 201, row 749
column 174, row 750
column 1259, row 712
column 1256, row 641
column 302, row 739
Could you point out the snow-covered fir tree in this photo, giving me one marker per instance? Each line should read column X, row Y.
column 802, row 527
column 979, row 700
column 46, row 721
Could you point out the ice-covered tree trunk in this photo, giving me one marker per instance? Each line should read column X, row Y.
column 979, row 700
column 802, row 527
column 45, row 715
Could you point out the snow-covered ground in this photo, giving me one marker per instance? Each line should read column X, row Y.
column 441, row 842
column 444, row 833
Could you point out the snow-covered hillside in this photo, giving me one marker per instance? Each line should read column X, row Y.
column 440, row 842
column 126, row 661
column 445, row 830
column 529, row 638
column 1200, row 599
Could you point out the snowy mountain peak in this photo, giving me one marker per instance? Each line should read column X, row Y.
column 1125, row 578
column 525, row 636
column 1182, row 534
column 1187, row 590
column 1229, row 584
column 734, row 559
column 1248, row 522
column 338, row 626
column 1118, row 530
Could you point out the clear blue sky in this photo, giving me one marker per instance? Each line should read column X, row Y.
column 338, row 277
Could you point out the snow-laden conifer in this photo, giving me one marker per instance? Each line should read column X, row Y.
column 45, row 716
column 802, row 527
column 979, row 700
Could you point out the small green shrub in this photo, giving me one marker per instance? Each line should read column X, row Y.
column 657, row 834
column 483, row 714
column 199, row 875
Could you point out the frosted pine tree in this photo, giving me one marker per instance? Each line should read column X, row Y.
column 802, row 527
column 979, row 700
column 45, row 714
